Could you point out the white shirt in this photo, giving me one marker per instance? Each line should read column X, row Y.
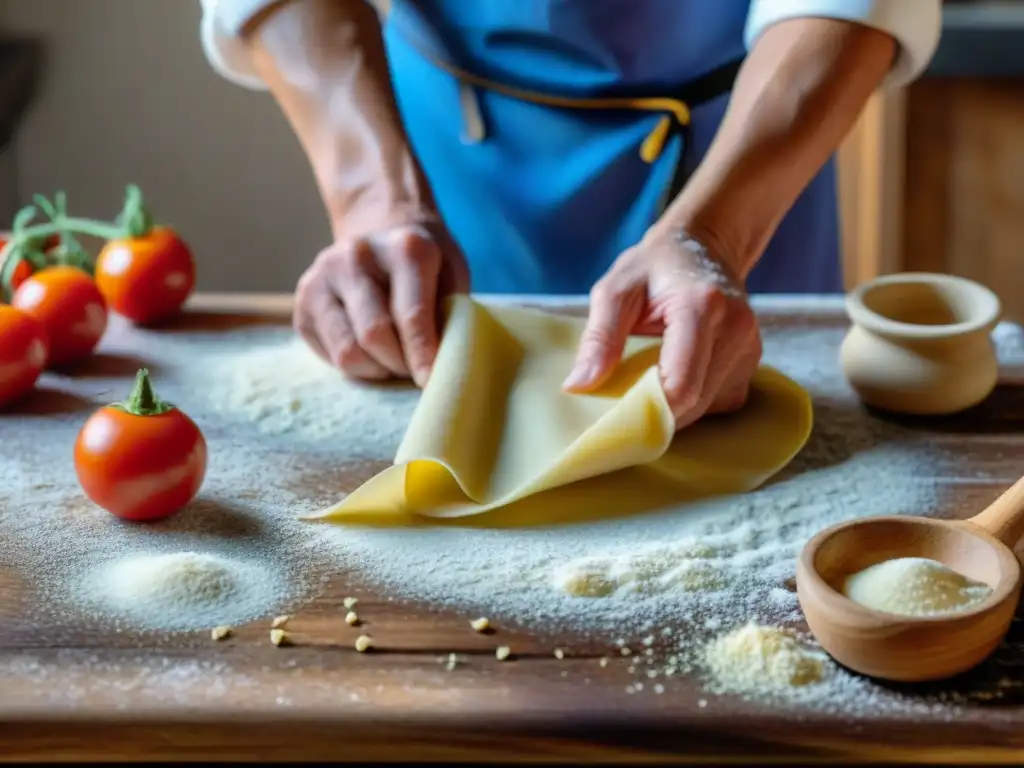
column 915, row 24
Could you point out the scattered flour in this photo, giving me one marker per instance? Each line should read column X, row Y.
column 914, row 586
column 284, row 389
column 66, row 550
column 689, row 566
column 725, row 559
column 762, row 660
column 181, row 590
column 271, row 411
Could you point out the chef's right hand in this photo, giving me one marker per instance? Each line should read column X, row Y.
column 371, row 306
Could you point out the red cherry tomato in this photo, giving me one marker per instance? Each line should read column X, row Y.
column 23, row 353
column 49, row 244
column 24, row 270
column 142, row 459
column 148, row 278
column 71, row 308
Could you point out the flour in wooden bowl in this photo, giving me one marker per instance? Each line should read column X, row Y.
column 914, row 586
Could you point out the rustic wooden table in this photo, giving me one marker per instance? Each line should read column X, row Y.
column 524, row 710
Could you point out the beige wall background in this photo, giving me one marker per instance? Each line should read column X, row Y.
column 128, row 96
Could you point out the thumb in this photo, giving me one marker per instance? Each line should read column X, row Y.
column 613, row 315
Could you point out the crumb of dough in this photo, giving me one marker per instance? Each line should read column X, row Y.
column 279, row 637
column 279, row 622
column 502, row 652
column 221, row 633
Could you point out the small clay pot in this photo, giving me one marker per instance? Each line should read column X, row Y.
column 920, row 343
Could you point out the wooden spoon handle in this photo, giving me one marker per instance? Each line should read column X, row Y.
column 1004, row 517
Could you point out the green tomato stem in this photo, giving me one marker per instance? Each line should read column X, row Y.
column 71, row 224
column 143, row 400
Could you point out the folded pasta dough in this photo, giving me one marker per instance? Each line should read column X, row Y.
column 494, row 432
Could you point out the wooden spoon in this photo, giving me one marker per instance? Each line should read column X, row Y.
column 914, row 648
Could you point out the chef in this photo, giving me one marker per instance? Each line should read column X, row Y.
column 668, row 157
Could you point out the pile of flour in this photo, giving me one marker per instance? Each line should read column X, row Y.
column 764, row 660
column 181, row 590
column 271, row 411
column 914, row 586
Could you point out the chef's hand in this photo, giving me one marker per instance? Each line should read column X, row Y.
column 371, row 305
column 672, row 286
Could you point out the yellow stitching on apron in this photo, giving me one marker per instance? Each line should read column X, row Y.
column 475, row 129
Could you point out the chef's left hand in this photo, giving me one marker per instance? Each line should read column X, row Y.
column 674, row 287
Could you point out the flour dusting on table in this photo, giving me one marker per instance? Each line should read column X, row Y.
column 699, row 571
column 666, row 583
column 284, row 390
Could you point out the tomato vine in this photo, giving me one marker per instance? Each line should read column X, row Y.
column 28, row 239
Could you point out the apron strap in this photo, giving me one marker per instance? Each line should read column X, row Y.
column 700, row 91
column 675, row 108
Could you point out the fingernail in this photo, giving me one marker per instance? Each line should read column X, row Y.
column 420, row 376
column 581, row 376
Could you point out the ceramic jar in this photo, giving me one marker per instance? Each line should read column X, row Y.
column 921, row 343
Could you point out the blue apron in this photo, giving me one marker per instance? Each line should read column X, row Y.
column 546, row 198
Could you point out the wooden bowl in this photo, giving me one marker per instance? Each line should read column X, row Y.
column 910, row 648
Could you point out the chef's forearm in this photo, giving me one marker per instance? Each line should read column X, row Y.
column 799, row 92
column 324, row 62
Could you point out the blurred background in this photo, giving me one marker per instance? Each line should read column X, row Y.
column 932, row 178
column 127, row 95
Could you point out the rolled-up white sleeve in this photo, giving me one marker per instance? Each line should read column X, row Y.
column 221, row 25
column 915, row 25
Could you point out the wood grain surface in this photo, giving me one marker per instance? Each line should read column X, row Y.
column 70, row 692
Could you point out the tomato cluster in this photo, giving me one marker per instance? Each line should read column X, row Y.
column 141, row 459
column 143, row 272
